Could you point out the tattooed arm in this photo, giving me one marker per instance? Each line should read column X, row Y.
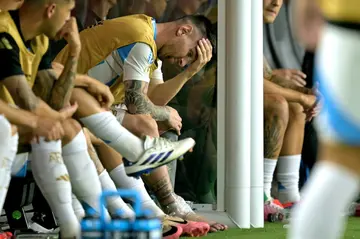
column 44, row 83
column 137, row 101
column 61, row 92
column 25, row 98
column 52, row 89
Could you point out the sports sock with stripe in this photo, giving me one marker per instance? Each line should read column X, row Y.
column 115, row 203
column 52, row 177
column 121, row 180
column 269, row 169
column 287, row 175
column 84, row 178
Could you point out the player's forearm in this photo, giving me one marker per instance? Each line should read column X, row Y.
column 18, row 117
column 163, row 93
column 138, row 103
column 82, row 81
column 61, row 93
column 289, row 85
column 288, row 94
column 45, row 110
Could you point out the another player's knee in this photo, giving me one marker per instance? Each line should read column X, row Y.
column 276, row 106
column 141, row 125
column 296, row 112
column 148, row 126
column 71, row 130
column 88, row 105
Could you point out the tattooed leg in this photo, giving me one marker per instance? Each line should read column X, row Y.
column 159, row 183
column 276, row 115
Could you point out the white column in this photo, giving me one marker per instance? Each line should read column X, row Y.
column 238, row 111
column 257, row 120
column 221, row 104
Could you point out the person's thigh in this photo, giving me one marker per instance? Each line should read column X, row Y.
column 138, row 124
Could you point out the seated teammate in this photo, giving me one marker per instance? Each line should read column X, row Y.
column 29, row 124
column 90, row 112
column 138, row 123
column 23, row 50
column 139, row 60
column 24, row 57
column 335, row 179
column 286, row 103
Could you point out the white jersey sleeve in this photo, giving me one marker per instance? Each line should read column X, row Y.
column 138, row 62
column 157, row 74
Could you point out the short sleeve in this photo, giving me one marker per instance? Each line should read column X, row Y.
column 9, row 57
column 157, row 74
column 137, row 59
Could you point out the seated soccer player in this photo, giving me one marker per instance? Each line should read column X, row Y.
column 287, row 103
column 29, row 124
column 131, row 59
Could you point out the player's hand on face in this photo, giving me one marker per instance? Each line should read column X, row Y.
column 49, row 128
column 296, row 76
column 204, row 51
column 70, row 33
column 175, row 120
column 101, row 92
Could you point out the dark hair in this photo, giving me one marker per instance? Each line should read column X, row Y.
column 205, row 27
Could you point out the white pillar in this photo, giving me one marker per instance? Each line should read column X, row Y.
column 257, row 118
column 221, row 105
column 238, row 103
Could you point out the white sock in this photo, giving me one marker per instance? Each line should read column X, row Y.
column 105, row 126
column 121, row 180
column 7, row 156
column 114, row 203
column 326, row 196
column 287, row 175
column 52, row 177
column 84, row 178
column 269, row 169
column 78, row 209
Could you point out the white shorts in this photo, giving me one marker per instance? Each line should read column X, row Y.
column 338, row 74
column 119, row 111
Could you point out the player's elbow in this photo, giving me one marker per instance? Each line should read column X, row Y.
column 136, row 102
